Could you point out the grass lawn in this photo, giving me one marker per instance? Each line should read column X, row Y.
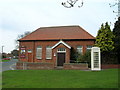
column 60, row 79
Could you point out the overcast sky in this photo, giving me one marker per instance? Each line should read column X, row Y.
column 19, row 16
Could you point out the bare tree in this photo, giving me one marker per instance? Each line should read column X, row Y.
column 15, row 53
column 117, row 3
column 21, row 36
column 71, row 3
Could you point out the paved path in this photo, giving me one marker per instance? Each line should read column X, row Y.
column 9, row 65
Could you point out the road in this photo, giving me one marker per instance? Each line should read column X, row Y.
column 9, row 65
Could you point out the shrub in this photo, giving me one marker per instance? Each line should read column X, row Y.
column 86, row 58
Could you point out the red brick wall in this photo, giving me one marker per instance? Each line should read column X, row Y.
column 33, row 44
column 47, row 66
column 34, row 66
column 19, row 65
column 74, row 44
column 75, row 66
column 110, row 66
column 27, row 45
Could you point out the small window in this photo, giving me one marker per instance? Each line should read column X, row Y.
column 89, row 48
column 29, row 51
column 48, row 52
column 61, row 50
column 80, row 49
column 39, row 52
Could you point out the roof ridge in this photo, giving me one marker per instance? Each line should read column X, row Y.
column 60, row 26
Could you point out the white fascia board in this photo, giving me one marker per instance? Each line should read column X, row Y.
column 61, row 42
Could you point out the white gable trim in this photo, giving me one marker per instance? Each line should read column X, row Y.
column 61, row 42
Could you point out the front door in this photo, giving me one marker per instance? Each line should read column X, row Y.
column 29, row 57
column 60, row 59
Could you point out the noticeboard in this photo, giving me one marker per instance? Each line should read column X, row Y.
column 22, row 52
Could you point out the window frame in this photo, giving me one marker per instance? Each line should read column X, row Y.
column 61, row 50
column 48, row 48
column 80, row 47
column 88, row 48
column 39, row 55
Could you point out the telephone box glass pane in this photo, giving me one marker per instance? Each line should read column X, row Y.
column 96, row 59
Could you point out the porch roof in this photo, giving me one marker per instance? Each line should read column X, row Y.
column 61, row 42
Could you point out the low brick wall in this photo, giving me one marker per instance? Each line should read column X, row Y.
column 110, row 66
column 66, row 66
column 19, row 65
column 75, row 66
column 29, row 65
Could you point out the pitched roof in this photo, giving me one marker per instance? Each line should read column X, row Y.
column 57, row 33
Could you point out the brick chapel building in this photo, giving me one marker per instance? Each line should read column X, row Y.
column 54, row 44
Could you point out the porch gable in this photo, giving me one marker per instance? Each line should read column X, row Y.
column 61, row 42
